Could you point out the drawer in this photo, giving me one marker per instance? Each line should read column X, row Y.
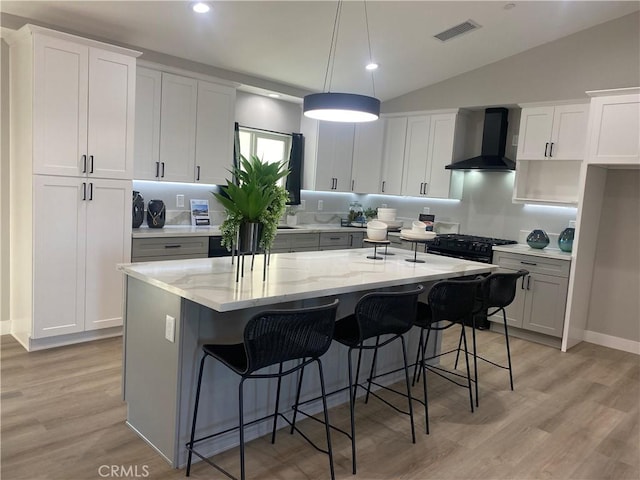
column 339, row 239
column 166, row 257
column 185, row 247
column 281, row 242
column 534, row 264
column 304, row 240
column 355, row 240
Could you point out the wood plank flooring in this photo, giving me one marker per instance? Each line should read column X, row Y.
column 572, row 416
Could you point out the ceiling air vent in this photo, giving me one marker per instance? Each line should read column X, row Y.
column 457, row 30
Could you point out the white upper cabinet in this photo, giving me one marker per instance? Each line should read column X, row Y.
column 432, row 142
column 553, row 132
column 184, row 128
column 367, row 157
column 214, row 132
column 393, row 155
column 178, row 128
column 614, row 126
column 551, row 150
column 83, row 107
column 147, row 134
column 415, row 156
column 328, row 156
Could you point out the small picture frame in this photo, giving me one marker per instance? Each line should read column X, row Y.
column 200, row 213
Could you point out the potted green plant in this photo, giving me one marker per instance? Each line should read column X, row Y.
column 254, row 203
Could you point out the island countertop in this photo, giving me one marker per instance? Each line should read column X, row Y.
column 294, row 276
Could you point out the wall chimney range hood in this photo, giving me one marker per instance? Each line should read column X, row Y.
column 494, row 138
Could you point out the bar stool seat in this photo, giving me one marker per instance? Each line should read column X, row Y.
column 271, row 338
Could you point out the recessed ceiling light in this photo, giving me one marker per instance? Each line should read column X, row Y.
column 274, row 95
column 372, row 66
column 201, row 7
column 509, row 6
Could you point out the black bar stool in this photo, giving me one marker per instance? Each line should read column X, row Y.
column 450, row 302
column 497, row 291
column 376, row 314
column 272, row 338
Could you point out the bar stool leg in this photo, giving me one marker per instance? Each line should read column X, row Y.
column 475, row 357
column 455, row 365
column 406, row 377
column 352, row 414
column 415, row 370
column 275, row 413
column 241, row 416
column 295, row 409
column 373, row 367
column 426, row 399
column 506, row 339
column 195, row 415
column 327, row 427
column 466, row 357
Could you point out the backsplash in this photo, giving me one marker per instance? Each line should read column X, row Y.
column 486, row 208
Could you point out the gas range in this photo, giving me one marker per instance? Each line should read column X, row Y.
column 470, row 247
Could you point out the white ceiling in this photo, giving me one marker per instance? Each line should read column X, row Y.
column 288, row 42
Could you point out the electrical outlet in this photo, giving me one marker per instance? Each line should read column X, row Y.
column 320, row 205
column 303, row 205
column 514, row 141
column 170, row 328
column 179, row 200
column 383, row 205
column 426, row 210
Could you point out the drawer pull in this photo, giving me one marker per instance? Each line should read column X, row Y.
column 334, row 238
column 172, row 246
column 529, row 263
column 529, row 283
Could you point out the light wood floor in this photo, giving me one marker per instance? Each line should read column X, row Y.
column 571, row 416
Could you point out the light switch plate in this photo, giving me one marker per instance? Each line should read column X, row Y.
column 320, row 205
column 179, row 200
column 170, row 329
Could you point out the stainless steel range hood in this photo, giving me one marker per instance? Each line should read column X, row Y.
column 494, row 138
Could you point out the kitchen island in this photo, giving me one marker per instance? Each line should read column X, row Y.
column 173, row 307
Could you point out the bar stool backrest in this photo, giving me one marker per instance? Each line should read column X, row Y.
column 277, row 336
column 453, row 300
column 499, row 289
column 382, row 313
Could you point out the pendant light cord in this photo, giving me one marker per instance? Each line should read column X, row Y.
column 366, row 21
column 332, row 49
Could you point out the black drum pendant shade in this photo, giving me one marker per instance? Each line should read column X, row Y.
column 341, row 107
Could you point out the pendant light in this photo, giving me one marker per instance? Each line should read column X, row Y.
column 342, row 107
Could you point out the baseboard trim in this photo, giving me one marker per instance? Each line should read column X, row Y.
column 610, row 341
column 32, row 345
column 5, row 327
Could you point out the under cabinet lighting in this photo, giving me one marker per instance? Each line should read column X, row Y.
column 201, row 7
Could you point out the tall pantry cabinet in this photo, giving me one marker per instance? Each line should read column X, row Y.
column 72, row 123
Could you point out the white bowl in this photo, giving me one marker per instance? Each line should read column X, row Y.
column 387, row 214
column 418, row 226
column 392, row 224
column 376, row 230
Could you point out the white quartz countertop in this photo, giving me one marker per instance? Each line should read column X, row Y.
column 295, row 276
column 536, row 252
column 189, row 231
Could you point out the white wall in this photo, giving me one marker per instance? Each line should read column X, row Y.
column 4, row 187
column 614, row 307
column 602, row 57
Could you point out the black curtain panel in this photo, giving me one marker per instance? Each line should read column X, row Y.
column 296, row 158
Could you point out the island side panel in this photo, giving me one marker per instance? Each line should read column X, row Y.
column 152, row 365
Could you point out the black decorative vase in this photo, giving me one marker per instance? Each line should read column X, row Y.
column 138, row 210
column 538, row 239
column 249, row 237
column 155, row 214
column 565, row 240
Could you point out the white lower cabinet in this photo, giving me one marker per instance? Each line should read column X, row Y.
column 541, row 296
column 81, row 231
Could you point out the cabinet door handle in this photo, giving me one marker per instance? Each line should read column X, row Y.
column 551, row 150
column 522, row 286
column 90, row 163
column 353, row 184
column 529, row 263
column 157, row 169
column 546, row 147
column 172, row 246
column 198, row 174
column 334, row 238
column 84, row 190
column 90, row 190
column 528, row 283
column 84, row 164
column 162, row 169
column 383, row 185
column 424, row 192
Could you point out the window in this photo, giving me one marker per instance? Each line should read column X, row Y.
column 269, row 147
